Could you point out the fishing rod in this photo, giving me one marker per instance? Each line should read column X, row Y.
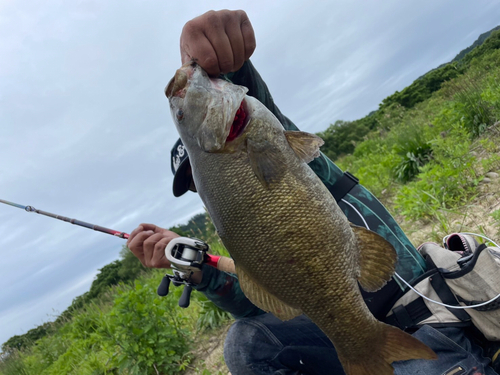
column 179, row 258
column 68, row 220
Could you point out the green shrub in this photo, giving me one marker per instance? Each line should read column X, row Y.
column 342, row 137
column 21, row 342
column 476, row 113
column 413, row 149
column 149, row 331
column 413, row 158
column 446, row 182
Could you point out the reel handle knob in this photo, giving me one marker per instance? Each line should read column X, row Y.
column 162, row 290
column 185, row 297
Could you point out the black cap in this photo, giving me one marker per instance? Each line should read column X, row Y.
column 180, row 164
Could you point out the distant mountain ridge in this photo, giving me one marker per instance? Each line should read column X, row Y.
column 477, row 43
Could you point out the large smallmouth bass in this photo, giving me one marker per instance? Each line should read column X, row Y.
column 294, row 250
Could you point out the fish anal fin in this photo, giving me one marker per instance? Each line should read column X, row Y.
column 377, row 259
column 390, row 344
column 263, row 300
column 266, row 162
column 305, row 145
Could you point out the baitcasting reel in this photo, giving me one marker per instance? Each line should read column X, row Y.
column 186, row 256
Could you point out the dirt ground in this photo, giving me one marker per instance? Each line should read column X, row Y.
column 209, row 353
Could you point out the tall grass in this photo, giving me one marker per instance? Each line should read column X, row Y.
column 424, row 158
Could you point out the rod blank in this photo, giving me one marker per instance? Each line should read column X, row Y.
column 69, row 220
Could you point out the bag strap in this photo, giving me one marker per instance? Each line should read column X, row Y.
column 416, row 311
column 410, row 315
column 492, row 306
column 446, row 295
column 343, row 186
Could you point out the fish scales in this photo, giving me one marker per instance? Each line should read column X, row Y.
column 265, row 214
column 294, row 250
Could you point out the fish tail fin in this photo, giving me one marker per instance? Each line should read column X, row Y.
column 391, row 344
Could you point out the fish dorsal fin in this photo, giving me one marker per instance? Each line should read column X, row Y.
column 305, row 145
column 266, row 161
column 377, row 259
column 263, row 300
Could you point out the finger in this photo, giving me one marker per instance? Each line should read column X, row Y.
column 159, row 259
column 143, row 227
column 137, row 230
column 248, row 35
column 196, row 46
column 235, row 37
column 152, row 227
column 149, row 246
column 137, row 241
column 222, row 47
column 215, row 31
column 136, row 246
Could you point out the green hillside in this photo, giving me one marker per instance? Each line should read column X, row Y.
column 342, row 137
column 416, row 149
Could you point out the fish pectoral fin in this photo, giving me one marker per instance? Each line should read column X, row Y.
column 263, row 300
column 305, row 145
column 377, row 259
column 266, row 161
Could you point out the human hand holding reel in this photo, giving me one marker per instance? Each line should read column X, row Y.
column 187, row 256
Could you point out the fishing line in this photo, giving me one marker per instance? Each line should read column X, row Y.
column 444, row 304
column 359, row 213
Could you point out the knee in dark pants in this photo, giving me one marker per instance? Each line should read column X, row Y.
column 249, row 348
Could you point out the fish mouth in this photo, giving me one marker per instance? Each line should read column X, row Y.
column 178, row 84
column 240, row 122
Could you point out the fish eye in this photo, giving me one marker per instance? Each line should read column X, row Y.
column 179, row 115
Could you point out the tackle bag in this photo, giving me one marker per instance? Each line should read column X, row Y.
column 461, row 273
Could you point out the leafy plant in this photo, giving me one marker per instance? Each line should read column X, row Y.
column 477, row 113
column 411, row 162
column 210, row 315
column 149, row 331
column 414, row 152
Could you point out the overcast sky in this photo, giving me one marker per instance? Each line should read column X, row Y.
column 85, row 130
